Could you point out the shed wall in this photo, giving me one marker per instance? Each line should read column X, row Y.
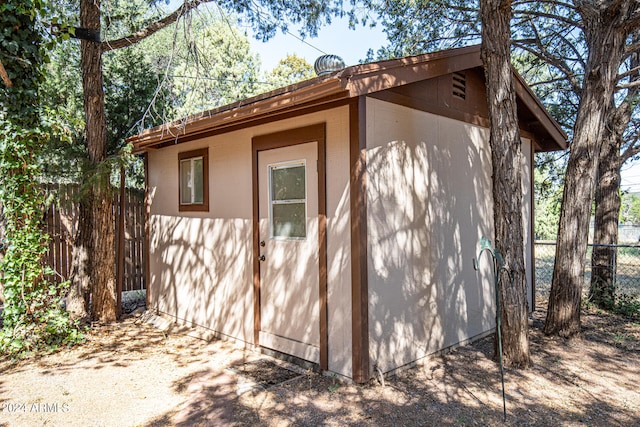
column 201, row 262
column 429, row 202
column 527, row 215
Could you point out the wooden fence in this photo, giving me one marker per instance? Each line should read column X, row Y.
column 61, row 225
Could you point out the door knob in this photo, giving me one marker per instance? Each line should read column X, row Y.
column 262, row 243
column 261, row 258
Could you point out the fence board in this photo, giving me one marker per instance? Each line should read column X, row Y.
column 60, row 225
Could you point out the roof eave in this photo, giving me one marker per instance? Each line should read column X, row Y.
column 288, row 98
column 533, row 103
column 378, row 76
column 351, row 82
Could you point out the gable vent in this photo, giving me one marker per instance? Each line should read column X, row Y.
column 459, row 85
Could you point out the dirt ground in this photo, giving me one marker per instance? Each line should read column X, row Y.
column 135, row 374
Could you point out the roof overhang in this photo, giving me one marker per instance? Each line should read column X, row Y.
column 341, row 86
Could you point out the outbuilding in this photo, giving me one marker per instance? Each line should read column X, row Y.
column 336, row 220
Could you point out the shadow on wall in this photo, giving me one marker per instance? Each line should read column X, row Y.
column 202, row 268
column 429, row 203
column 201, row 272
column 290, row 290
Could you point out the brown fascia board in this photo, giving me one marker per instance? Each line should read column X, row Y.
column 378, row 76
column 533, row 103
column 287, row 98
column 350, row 82
column 369, row 78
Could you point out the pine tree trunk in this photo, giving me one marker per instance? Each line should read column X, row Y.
column 101, row 243
column 603, row 256
column 506, row 155
column 602, row 289
column 78, row 298
column 103, row 290
column 605, row 35
column 607, row 199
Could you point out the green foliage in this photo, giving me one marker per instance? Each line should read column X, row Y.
column 130, row 85
column 266, row 17
column 61, row 101
column 624, row 304
column 547, row 184
column 419, row 26
column 550, row 85
column 33, row 317
column 628, row 305
column 206, row 63
column 632, row 251
column 289, row 70
column 333, row 387
column 630, row 208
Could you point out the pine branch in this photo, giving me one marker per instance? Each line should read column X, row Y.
column 630, row 152
column 633, row 24
column 134, row 38
column 631, row 85
column 555, row 17
column 550, row 2
column 632, row 48
column 631, row 73
column 546, row 82
column 542, row 54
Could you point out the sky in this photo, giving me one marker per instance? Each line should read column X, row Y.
column 631, row 177
column 337, row 39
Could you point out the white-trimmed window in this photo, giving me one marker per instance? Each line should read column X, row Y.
column 194, row 180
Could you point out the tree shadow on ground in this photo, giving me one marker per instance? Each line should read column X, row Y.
column 586, row 381
column 590, row 380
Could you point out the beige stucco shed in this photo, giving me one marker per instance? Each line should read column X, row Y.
column 336, row 220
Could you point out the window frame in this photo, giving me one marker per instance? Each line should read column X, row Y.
column 190, row 155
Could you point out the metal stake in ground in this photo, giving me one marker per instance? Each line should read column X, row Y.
column 498, row 268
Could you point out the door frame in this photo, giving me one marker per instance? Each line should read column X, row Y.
column 314, row 133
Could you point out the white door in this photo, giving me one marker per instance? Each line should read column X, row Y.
column 288, row 218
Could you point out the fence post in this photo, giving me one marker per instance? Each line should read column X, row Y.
column 615, row 265
column 120, row 261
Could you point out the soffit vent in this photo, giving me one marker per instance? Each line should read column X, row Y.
column 459, row 85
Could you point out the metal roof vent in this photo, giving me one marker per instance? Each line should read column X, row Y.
column 328, row 64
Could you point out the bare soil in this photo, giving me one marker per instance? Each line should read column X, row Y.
column 135, row 374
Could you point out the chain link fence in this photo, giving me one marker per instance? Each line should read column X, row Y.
column 626, row 263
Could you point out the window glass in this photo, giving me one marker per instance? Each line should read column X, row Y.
column 185, row 181
column 289, row 220
column 288, row 183
column 193, row 171
column 288, row 200
column 197, row 193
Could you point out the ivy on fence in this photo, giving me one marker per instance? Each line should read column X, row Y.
column 33, row 317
